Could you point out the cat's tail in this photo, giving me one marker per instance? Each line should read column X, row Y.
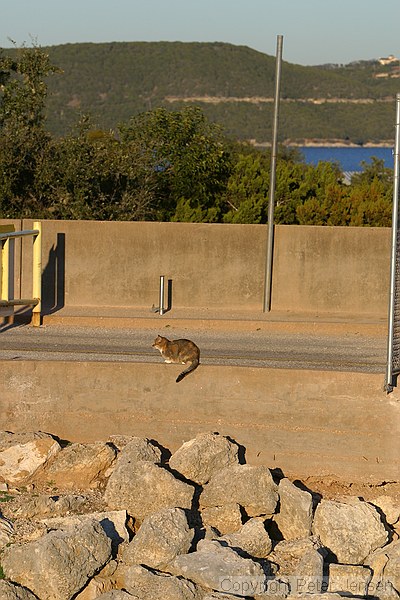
column 190, row 368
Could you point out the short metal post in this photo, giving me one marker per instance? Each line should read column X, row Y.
column 37, row 274
column 162, row 308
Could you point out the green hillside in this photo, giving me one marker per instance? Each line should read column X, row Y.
column 233, row 84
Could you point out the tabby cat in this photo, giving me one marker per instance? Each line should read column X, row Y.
column 178, row 351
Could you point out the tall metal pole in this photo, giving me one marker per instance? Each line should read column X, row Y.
column 393, row 258
column 271, row 203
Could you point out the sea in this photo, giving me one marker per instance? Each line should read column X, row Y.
column 348, row 157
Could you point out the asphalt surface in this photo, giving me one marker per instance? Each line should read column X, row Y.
column 344, row 351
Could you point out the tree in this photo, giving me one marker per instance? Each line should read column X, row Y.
column 190, row 159
column 23, row 139
column 94, row 176
column 246, row 195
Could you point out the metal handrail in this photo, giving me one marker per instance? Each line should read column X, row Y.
column 36, row 301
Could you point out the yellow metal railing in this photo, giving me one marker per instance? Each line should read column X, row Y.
column 36, row 301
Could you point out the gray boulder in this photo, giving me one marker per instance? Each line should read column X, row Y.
column 349, row 579
column 289, row 554
column 102, row 582
column 40, row 506
column 81, row 466
column 251, row 487
column 6, row 531
column 135, row 449
column 226, row 518
column 219, row 568
column 200, row 458
column 24, row 455
column 143, row 488
column 115, row 595
column 322, row 596
column 146, row 585
column 59, row 564
column 385, row 565
column 10, row 591
column 161, row 537
column 252, row 538
column 390, row 508
column 112, row 522
column 350, row 529
column 308, row 575
column 295, row 515
column 218, row 596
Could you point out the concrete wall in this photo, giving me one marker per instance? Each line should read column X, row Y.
column 319, row 269
column 307, row 423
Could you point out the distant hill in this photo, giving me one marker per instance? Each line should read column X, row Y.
column 233, row 84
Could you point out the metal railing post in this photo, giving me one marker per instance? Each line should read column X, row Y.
column 271, row 203
column 5, row 269
column 389, row 380
column 162, row 307
column 7, row 237
column 37, row 274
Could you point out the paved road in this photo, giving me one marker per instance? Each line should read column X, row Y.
column 348, row 351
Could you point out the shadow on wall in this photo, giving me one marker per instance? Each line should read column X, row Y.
column 53, row 278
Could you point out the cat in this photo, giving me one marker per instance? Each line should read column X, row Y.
column 178, row 351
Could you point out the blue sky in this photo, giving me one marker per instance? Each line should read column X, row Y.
column 314, row 31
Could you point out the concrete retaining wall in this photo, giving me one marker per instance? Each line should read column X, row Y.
column 339, row 270
column 307, row 423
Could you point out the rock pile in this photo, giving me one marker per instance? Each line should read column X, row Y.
column 124, row 519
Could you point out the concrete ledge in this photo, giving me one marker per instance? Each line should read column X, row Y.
column 212, row 320
column 307, row 423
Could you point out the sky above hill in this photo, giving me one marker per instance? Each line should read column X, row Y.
column 314, row 31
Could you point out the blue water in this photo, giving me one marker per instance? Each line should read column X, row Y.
column 349, row 159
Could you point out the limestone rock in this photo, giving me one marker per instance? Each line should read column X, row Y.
column 143, row 488
column 6, row 531
column 200, row 458
column 218, row 596
column 251, row 487
column 389, row 507
column 385, row 565
column 23, row 455
column 351, row 530
column 288, row 554
column 112, row 522
column 295, row 515
column 10, row 591
column 81, row 466
column 100, row 584
column 226, row 518
column 252, row 538
column 134, row 449
column 349, row 579
column 322, row 596
column 114, row 595
column 42, row 506
column 59, row 564
column 309, row 572
column 161, row 537
column 276, row 588
column 219, row 568
column 145, row 585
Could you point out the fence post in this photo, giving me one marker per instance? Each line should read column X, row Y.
column 5, row 270
column 37, row 274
